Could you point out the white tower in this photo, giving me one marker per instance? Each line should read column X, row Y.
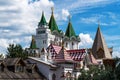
column 48, row 33
column 43, row 34
column 71, row 40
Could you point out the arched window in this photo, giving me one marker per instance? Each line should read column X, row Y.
column 53, row 77
column 72, row 45
column 68, row 76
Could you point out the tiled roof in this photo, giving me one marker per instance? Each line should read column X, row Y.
column 76, row 55
column 9, row 73
column 11, row 61
column 59, row 54
column 54, row 50
column 63, row 56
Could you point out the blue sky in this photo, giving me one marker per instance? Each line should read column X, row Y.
column 19, row 19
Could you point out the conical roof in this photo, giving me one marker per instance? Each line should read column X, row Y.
column 52, row 23
column 33, row 43
column 43, row 20
column 99, row 43
column 70, row 31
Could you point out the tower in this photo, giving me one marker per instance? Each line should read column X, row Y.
column 43, row 34
column 71, row 40
column 54, row 30
column 99, row 48
column 48, row 33
column 33, row 50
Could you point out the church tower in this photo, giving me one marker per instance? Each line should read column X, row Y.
column 70, row 39
column 99, row 48
column 58, row 34
column 43, row 34
column 48, row 33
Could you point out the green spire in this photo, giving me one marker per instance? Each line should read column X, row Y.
column 70, row 31
column 33, row 43
column 52, row 23
column 43, row 20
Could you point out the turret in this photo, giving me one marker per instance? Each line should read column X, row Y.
column 71, row 40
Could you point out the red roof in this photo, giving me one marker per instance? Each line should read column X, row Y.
column 77, row 55
column 63, row 56
column 92, row 58
column 54, row 50
column 60, row 54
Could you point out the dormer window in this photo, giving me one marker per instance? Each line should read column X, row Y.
column 19, row 68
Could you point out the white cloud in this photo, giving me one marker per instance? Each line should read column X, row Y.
column 79, row 6
column 18, row 20
column 116, row 52
column 93, row 19
column 86, row 40
column 65, row 14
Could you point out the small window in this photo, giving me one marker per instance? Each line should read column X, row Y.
column 44, row 41
column 66, row 44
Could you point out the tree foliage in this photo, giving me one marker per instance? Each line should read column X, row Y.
column 96, row 73
column 14, row 51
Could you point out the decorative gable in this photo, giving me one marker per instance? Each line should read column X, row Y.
column 54, row 50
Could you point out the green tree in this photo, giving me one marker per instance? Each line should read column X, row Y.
column 14, row 51
column 95, row 73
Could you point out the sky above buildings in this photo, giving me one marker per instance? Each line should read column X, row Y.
column 19, row 20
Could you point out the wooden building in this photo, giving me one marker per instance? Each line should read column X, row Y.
column 17, row 69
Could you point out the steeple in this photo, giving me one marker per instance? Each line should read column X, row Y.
column 70, row 31
column 33, row 43
column 99, row 48
column 52, row 23
column 43, row 20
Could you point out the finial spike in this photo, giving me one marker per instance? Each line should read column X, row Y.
column 42, row 12
column 52, row 9
column 98, row 23
column 69, row 18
